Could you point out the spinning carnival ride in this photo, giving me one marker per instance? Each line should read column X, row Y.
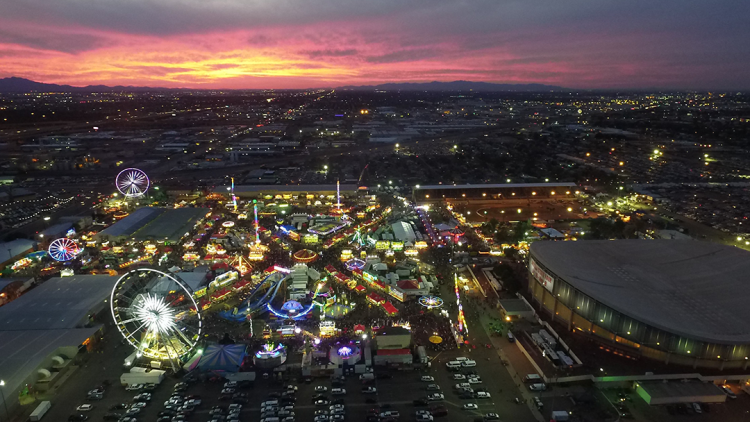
column 132, row 182
column 156, row 313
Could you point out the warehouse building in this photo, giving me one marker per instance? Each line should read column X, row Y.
column 289, row 191
column 438, row 193
column 156, row 224
column 42, row 331
column 655, row 393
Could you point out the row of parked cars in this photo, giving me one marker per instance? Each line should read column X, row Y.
column 179, row 406
column 460, row 362
column 336, row 410
column 279, row 406
column 123, row 412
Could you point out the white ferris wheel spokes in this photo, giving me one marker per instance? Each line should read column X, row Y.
column 132, row 182
column 63, row 249
column 156, row 313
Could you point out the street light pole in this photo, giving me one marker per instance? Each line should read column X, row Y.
column 5, row 404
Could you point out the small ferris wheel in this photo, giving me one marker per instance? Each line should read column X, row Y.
column 132, row 182
column 63, row 249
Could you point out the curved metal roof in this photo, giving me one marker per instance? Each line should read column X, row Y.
column 696, row 289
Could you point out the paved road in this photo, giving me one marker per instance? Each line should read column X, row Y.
column 497, row 378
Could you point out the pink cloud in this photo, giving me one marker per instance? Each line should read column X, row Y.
column 421, row 44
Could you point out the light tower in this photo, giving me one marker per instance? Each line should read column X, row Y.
column 338, row 196
column 257, row 226
column 257, row 251
column 234, row 198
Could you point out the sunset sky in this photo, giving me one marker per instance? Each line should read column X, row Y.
column 684, row 44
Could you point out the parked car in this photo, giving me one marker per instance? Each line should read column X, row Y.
column 133, row 411
column 427, row 378
column 438, row 411
column 728, row 391
column 538, row 387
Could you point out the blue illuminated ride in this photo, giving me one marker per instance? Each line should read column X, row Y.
column 259, row 298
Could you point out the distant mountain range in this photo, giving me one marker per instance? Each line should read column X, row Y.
column 14, row 84
column 455, row 86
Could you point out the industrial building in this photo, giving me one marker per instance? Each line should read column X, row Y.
column 43, row 330
column 14, row 250
column 439, row 193
column 288, row 191
column 656, row 393
column 156, row 224
column 677, row 301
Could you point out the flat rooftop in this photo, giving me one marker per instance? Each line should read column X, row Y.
column 152, row 223
column 661, row 390
column 9, row 250
column 498, row 185
column 44, row 319
column 286, row 188
column 515, row 305
column 58, row 303
column 696, row 289
column 22, row 352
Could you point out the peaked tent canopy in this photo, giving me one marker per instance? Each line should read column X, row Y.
column 219, row 357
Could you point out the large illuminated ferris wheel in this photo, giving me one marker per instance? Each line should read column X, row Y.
column 156, row 313
column 132, row 182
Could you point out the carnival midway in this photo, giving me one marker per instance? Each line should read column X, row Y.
column 328, row 283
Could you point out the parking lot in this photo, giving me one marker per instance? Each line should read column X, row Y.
column 396, row 391
column 636, row 409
